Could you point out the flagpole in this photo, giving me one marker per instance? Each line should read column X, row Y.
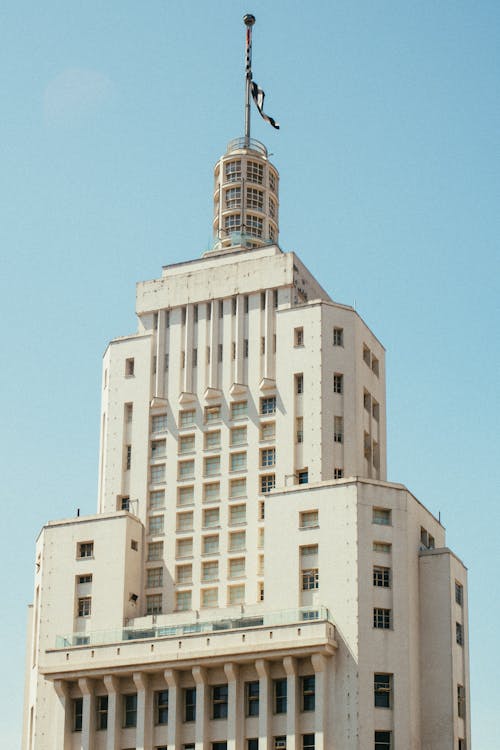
column 248, row 20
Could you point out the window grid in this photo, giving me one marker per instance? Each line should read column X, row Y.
column 382, row 618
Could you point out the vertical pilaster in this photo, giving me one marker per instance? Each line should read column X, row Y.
column 235, row 714
column 265, row 704
column 239, row 335
column 160, row 355
column 88, row 718
column 63, row 716
column 188, row 350
column 144, row 729
column 112, row 685
column 213, row 340
column 174, row 708
column 202, row 689
column 269, row 357
column 320, row 664
column 292, row 707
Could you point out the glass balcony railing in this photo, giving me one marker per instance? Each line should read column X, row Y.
column 246, row 621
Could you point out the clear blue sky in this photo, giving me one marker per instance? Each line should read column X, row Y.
column 113, row 116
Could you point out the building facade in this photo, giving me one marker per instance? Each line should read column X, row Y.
column 251, row 580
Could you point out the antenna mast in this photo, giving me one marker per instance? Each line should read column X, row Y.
column 248, row 20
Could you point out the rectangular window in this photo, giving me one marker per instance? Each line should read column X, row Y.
column 382, row 618
column 190, row 704
column 102, row 711
column 129, row 412
column 381, row 577
column 383, row 741
column 129, row 367
column 233, row 197
column 338, row 473
column 210, row 517
column 461, row 701
column 255, row 198
column 237, row 567
column 184, row 521
column 184, row 547
column 338, row 337
column 252, row 698
column 279, row 743
column 366, row 355
column 459, row 632
column 268, row 405
column 85, row 579
column 85, row 549
column 237, row 488
column 308, row 692
column 159, row 423
column 155, row 550
column 338, row 429
column 459, row 594
column 84, row 606
column 310, row 579
column 262, row 345
column 268, row 430
column 212, row 413
column 299, row 383
column 298, row 336
column 255, row 172
column 211, row 492
column 236, row 594
column 183, row 601
column 381, row 516
column 237, row 514
column 238, row 435
column 130, row 710
column 338, row 383
column 309, row 519
column 303, row 476
column 186, row 443
column 382, row 689
column 209, row 598
column 211, row 466
column 245, row 348
column 219, row 702
column 220, row 353
column 375, row 366
column 187, row 417
column 267, row 483
column 185, row 495
column 212, row 440
column 299, row 430
column 280, row 696
column 156, row 525
column 161, row 706
column 239, row 409
column 128, row 457
column 154, row 604
column 308, row 742
column 211, row 545
column 184, row 573
column 238, row 462
column 210, row 571
column 158, row 474
column 77, row 714
column 185, row 469
column 237, row 540
column 124, row 503
column 154, row 578
column 375, row 410
column 384, row 547
column 219, row 745
column 267, row 457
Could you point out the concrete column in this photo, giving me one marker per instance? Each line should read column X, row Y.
column 265, row 704
column 63, row 717
column 213, row 342
column 320, row 664
column 188, row 349
column 202, row 712
column 239, row 337
column 174, row 708
column 112, row 685
column 292, row 703
column 88, row 720
column 144, row 729
column 235, row 713
column 160, row 355
column 269, row 357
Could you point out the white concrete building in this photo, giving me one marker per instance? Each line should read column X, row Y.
column 251, row 580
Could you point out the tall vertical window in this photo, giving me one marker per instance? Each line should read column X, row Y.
column 129, row 411
column 102, row 711
column 299, row 430
column 382, row 690
column 252, row 698
column 298, row 336
column 219, row 701
column 338, row 429
column 308, row 742
column 130, row 710
column 461, row 701
column 299, row 383
column 161, row 706
column 338, row 382
column 190, row 704
column 129, row 367
column 459, row 631
column 280, row 696
column 383, row 741
column 77, row 714
column 459, row 594
column 308, row 693
column 128, row 457
column 338, row 337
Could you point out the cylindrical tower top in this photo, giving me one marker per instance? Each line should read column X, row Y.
column 246, row 203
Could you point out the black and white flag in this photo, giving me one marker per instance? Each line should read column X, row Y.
column 258, row 97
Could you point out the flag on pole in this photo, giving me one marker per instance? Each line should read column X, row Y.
column 258, row 97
